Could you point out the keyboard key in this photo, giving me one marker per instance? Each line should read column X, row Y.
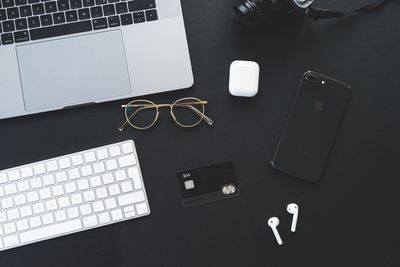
column 90, row 221
column 51, row 205
column 8, row 3
column 83, row 184
column 102, row 154
column 114, row 189
column 50, row 7
column 39, row 168
column 52, row 230
column 10, row 189
column 88, row 3
column 48, row 179
column 120, row 175
column 131, row 198
column 71, row 16
column 59, row 18
column 101, row 2
column 60, row 215
column 21, row 2
column 89, row 157
column 101, row 192
column 3, row 178
column 25, row 11
column 63, row 5
column 108, row 178
column 137, row 5
column 14, row 174
column 96, row 12
column 33, row 1
column 36, row 182
column 86, row 170
column 32, row 196
column 113, row 1
column 21, row 36
column 95, row 181
column 127, row 148
column 26, row 172
column 98, row 206
column 142, row 208
column 151, row 15
column 3, row 15
column 99, row 167
column 126, row 19
column 100, row 23
column 121, row 8
column 108, row 10
column 58, row 190
column 25, row 211
column 35, row 221
column 84, row 13
column 127, row 161
column 114, row 21
column 62, row 176
column 70, row 187
column 11, row 240
column 138, row 19
column 3, row 216
column 89, row 196
column 73, row 212
column 75, row 4
column 9, row 228
column 116, row 214
column 76, row 199
column 52, row 166
column 22, row 225
column 47, row 218
column 74, row 173
column 126, row 186
column 111, row 203
column 22, row 186
column 85, row 209
column 6, row 202
column 34, row 22
column 12, row 214
column 111, row 164
column 133, row 173
column 19, row 199
column 104, row 217
column 65, row 163
column 77, row 159
column 63, row 202
column 1, row 191
column 45, row 193
column 114, row 151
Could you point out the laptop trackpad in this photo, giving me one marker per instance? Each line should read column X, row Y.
column 73, row 71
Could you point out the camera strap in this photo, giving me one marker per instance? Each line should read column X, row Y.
column 318, row 13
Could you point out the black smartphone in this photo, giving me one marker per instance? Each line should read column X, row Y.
column 311, row 126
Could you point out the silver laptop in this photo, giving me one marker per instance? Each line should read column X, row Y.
column 65, row 53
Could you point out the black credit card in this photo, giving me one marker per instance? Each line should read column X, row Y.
column 208, row 183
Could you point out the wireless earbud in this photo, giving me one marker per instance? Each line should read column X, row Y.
column 273, row 223
column 293, row 209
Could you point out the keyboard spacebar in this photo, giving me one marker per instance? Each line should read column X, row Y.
column 50, row 231
column 59, row 30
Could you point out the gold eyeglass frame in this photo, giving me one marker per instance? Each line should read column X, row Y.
column 142, row 104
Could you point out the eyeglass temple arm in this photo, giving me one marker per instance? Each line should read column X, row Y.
column 164, row 105
column 123, row 126
column 202, row 115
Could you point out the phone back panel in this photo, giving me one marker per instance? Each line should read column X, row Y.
column 311, row 126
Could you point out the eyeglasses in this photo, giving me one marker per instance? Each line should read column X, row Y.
column 143, row 114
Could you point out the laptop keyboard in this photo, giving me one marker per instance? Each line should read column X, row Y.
column 29, row 20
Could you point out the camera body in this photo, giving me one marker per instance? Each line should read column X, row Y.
column 254, row 11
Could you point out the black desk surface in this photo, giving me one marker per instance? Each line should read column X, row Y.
column 349, row 218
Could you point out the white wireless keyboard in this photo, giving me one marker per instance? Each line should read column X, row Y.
column 70, row 194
